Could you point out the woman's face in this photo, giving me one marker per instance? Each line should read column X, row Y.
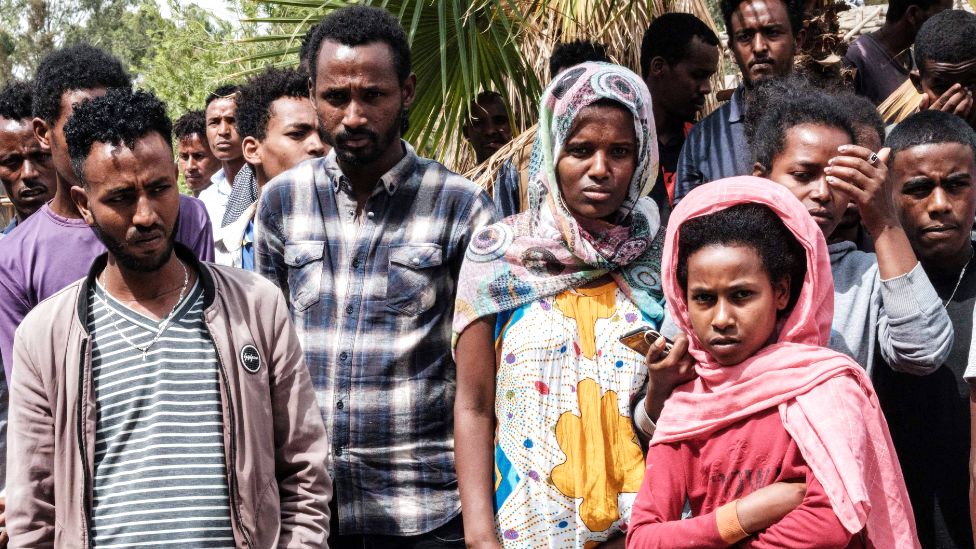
column 732, row 302
column 597, row 162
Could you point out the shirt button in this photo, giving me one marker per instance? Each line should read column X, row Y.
column 343, row 355
column 348, row 309
column 338, row 450
column 370, row 215
column 415, row 261
column 355, row 263
column 340, row 405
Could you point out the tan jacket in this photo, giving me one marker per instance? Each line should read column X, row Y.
column 274, row 440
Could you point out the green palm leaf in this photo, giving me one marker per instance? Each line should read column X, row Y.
column 460, row 48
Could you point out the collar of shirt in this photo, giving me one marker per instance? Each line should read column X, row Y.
column 220, row 181
column 390, row 181
column 736, row 107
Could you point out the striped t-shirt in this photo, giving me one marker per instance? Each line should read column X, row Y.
column 159, row 448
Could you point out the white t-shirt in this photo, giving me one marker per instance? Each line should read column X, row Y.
column 215, row 198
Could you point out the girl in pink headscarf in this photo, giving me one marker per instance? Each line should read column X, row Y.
column 779, row 442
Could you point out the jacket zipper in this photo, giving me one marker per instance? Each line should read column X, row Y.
column 232, row 466
column 82, row 442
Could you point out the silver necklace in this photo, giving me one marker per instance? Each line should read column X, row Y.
column 962, row 273
column 163, row 326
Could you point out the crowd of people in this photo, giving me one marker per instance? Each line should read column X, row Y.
column 753, row 330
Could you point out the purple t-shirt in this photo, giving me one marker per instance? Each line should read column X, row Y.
column 48, row 252
column 878, row 73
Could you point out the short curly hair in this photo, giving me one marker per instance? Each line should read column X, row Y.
column 193, row 122
column 357, row 26
column 306, row 47
column 781, row 104
column 570, row 54
column 794, row 10
column 670, row 36
column 752, row 225
column 947, row 37
column 121, row 116
column 78, row 67
column 15, row 101
column 257, row 94
column 929, row 128
column 222, row 92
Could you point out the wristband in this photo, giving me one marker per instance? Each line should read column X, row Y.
column 729, row 527
column 643, row 421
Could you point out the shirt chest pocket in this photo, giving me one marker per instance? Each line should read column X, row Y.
column 304, row 261
column 414, row 276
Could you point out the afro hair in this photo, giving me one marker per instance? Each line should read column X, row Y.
column 947, row 37
column 781, row 104
column 359, row 25
column 15, row 101
column 256, row 96
column 670, row 35
column 121, row 116
column 79, row 67
column 193, row 122
column 928, row 128
column 570, row 54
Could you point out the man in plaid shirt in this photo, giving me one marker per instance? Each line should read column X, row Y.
column 367, row 244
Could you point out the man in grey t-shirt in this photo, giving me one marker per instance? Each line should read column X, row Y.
column 933, row 166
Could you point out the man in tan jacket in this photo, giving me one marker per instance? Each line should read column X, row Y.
column 160, row 400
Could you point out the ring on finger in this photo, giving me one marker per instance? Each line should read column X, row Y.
column 873, row 159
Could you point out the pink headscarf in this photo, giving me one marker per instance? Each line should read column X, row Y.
column 837, row 425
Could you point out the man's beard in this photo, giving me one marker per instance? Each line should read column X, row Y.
column 378, row 143
column 129, row 261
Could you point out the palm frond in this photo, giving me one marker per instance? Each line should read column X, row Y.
column 902, row 103
column 460, row 48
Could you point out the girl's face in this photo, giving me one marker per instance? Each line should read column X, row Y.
column 807, row 150
column 597, row 162
column 732, row 302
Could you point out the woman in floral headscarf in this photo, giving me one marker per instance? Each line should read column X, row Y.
column 544, row 385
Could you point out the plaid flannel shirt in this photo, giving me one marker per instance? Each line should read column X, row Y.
column 374, row 316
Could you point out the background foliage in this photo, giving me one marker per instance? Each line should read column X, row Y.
column 459, row 47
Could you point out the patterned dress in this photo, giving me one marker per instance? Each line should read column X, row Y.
column 567, row 462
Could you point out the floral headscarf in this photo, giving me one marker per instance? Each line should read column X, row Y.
column 547, row 250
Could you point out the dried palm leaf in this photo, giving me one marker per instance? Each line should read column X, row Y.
column 902, row 103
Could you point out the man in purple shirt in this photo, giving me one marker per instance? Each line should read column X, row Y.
column 54, row 247
column 26, row 172
column 883, row 58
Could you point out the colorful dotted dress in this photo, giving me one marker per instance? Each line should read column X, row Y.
column 567, row 462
